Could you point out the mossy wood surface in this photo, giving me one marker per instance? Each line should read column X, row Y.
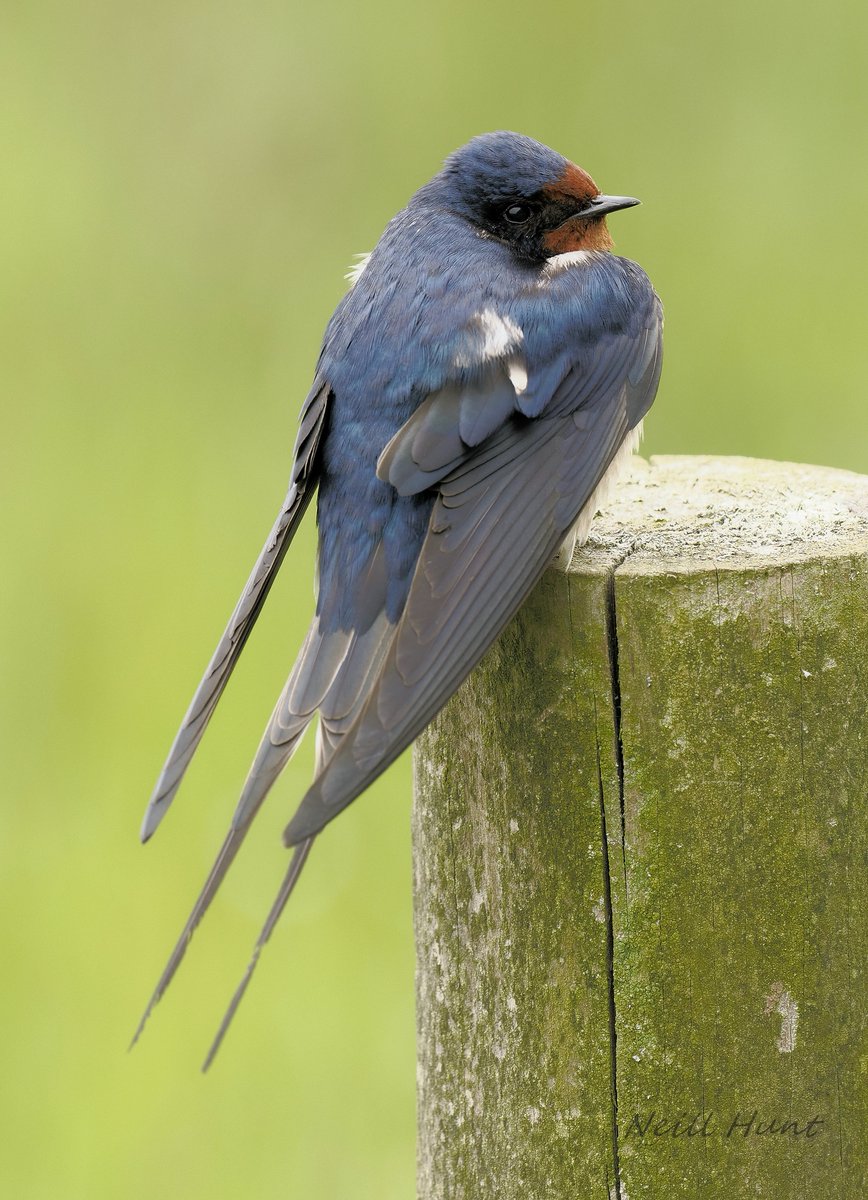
column 639, row 842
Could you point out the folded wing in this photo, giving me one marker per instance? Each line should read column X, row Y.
column 501, row 512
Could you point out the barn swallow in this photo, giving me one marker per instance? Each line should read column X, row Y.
column 479, row 385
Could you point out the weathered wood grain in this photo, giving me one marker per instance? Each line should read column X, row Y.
column 639, row 843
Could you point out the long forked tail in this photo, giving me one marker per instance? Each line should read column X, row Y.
column 222, row 863
column 269, row 761
column 296, row 864
column 333, row 670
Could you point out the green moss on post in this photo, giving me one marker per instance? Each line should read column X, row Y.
column 639, row 858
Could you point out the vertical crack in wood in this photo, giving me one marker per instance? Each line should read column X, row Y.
column 612, row 641
column 615, row 683
column 610, row 980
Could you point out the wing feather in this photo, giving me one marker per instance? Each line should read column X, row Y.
column 449, row 423
column 460, row 600
column 485, row 406
column 246, row 611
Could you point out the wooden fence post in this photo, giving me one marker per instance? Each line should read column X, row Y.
column 639, row 838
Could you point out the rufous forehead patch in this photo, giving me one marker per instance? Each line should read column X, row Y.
column 575, row 184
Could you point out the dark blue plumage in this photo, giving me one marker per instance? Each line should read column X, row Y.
column 474, row 387
column 429, row 276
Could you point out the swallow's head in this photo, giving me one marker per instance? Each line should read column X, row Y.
column 528, row 196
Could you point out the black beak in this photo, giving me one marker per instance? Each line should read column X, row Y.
column 601, row 205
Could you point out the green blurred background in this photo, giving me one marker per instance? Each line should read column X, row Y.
column 184, row 184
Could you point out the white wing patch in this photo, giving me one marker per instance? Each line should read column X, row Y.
column 517, row 372
column 490, row 336
column 355, row 272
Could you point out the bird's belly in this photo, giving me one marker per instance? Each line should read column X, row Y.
column 578, row 535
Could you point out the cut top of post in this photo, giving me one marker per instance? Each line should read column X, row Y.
column 684, row 513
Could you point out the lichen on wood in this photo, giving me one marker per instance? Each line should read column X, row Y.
column 637, row 839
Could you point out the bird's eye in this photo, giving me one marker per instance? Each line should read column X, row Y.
column 517, row 214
